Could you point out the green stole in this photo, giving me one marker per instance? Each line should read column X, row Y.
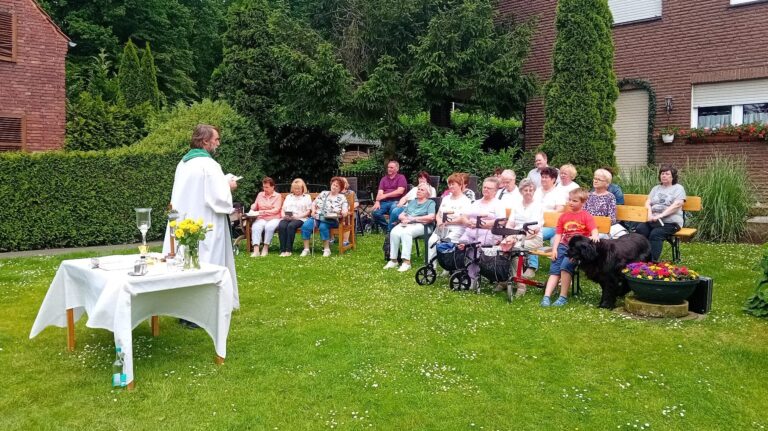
column 195, row 152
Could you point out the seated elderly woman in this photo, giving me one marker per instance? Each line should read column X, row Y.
column 296, row 209
column 268, row 203
column 328, row 207
column 422, row 178
column 601, row 202
column 529, row 211
column 485, row 211
column 568, row 174
column 419, row 211
column 665, row 210
column 450, row 225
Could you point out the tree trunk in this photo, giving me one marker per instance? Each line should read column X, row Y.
column 440, row 114
column 389, row 145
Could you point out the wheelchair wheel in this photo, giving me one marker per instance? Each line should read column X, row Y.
column 460, row 281
column 426, row 275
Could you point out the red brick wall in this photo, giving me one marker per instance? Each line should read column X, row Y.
column 756, row 154
column 693, row 42
column 34, row 85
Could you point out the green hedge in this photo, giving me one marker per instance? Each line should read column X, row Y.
column 72, row 199
column 82, row 198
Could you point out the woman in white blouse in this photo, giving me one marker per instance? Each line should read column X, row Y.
column 567, row 176
column 296, row 208
column 454, row 205
column 530, row 211
column 549, row 197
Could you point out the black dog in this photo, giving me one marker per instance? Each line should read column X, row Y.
column 603, row 261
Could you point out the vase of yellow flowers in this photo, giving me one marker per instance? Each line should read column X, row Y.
column 189, row 233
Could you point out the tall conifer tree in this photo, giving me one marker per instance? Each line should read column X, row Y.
column 580, row 97
column 129, row 77
column 149, row 77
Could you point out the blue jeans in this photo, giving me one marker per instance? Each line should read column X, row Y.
column 385, row 208
column 562, row 263
column 395, row 214
column 324, row 228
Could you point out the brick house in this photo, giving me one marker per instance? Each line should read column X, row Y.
column 32, row 87
column 703, row 59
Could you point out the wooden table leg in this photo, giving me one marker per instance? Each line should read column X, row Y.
column 247, row 222
column 218, row 360
column 70, row 329
column 155, row 324
column 131, row 386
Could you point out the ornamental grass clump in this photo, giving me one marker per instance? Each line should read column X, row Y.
column 662, row 271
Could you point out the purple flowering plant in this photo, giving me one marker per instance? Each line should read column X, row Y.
column 663, row 271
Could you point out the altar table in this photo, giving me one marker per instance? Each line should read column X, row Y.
column 118, row 302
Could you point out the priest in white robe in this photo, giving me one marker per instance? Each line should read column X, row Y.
column 201, row 190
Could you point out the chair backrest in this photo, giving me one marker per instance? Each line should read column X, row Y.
column 635, row 200
column 550, row 218
column 473, row 183
column 352, row 183
column 434, row 181
column 692, row 203
column 603, row 224
column 631, row 213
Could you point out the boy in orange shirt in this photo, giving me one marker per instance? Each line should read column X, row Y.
column 574, row 221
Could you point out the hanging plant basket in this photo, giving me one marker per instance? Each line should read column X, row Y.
column 667, row 139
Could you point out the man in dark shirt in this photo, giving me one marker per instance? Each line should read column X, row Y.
column 391, row 187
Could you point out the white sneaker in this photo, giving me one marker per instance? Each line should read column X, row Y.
column 255, row 253
column 529, row 273
column 305, row 252
column 445, row 273
column 390, row 265
column 327, row 252
column 404, row 267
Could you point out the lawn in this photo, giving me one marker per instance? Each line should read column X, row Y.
column 338, row 343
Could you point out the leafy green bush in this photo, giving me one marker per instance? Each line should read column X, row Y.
column 242, row 143
column 445, row 153
column 722, row 183
column 757, row 304
column 94, row 124
column 81, row 198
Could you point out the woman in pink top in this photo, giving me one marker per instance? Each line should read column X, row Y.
column 268, row 204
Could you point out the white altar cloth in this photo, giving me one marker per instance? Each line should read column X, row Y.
column 118, row 302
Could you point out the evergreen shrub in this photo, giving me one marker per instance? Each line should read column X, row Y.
column 82, row 198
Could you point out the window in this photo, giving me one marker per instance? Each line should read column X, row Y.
column 722, row 103
column 626, row 11
column 7, row 36
column 714, row 116
column 735, row 2
column 11, row 133
column 756, row 112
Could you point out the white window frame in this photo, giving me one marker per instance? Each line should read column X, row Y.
column 736, row 95
column 629, row 11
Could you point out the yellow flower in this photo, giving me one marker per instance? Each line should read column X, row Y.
column 172, row 223
column 180, row 233
column 210, row 225
column 200, row 221
column 194, row 229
